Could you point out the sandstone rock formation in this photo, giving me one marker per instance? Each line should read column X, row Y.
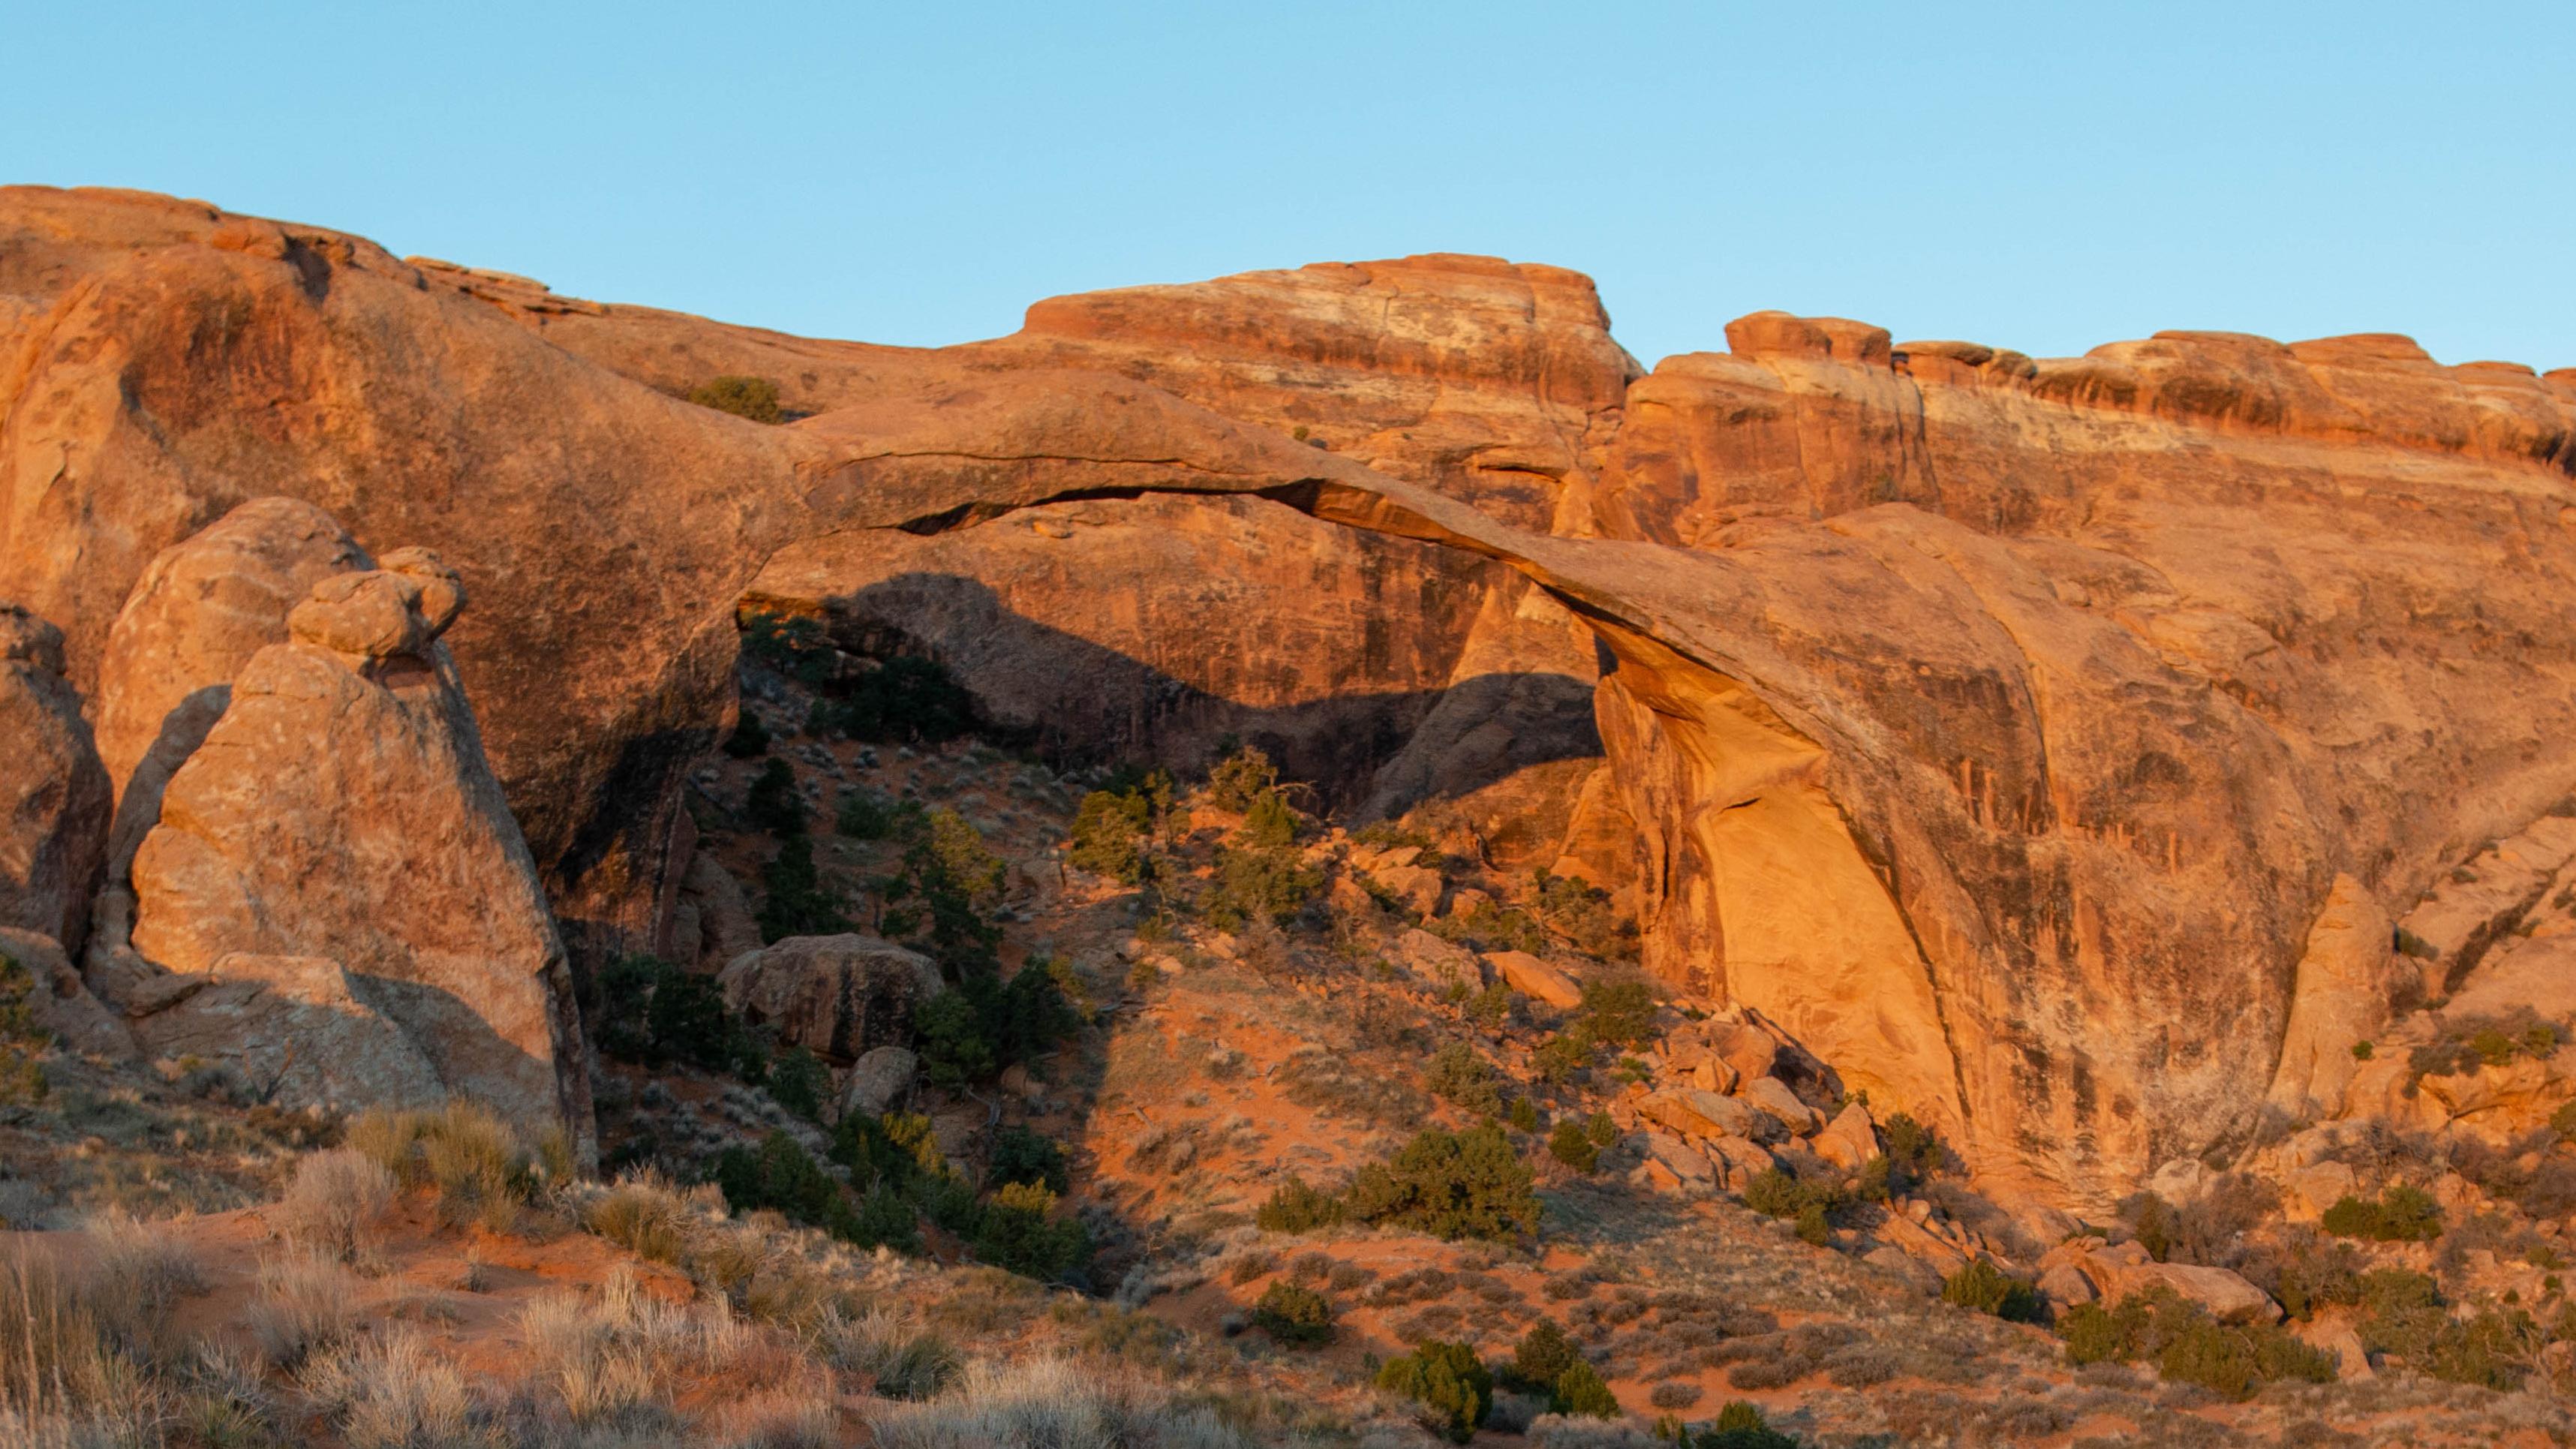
column 61, row 1001
column 53, row 792
column 2001, row 728
column 202, row 608
column 840, row 997
column 337, row 887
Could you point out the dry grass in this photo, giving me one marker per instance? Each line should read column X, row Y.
column 900, row 1357
column 396, row 1392
column 1054, row 1402
column 136, row 1272
column 307, row 1303
column 61, row 1368
column 479, row 1168
column 618, row 1360
column 643, row 1217
column 333, row 1203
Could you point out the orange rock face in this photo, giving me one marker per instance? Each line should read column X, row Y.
column 2005, row 729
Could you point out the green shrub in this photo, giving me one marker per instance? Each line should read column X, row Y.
column 951, row 1040
column 1740, row 1425
column 881, row 1217
column 1461, row 1076
column 647, row 1011
column 1110, row 835
column 1580, row 912
column 1561, row 1056
column 795, row 645
column 2563, row 1122
column 2188, row 1346
column 868, row 815
column 904, row 700
column 1988, row 1289
column 940, row 891
column 1296, row 1207
column 22, row 1076
column 1294, row 1315
column 1619, row 1012
column 1242, row 780
column 1579, row 1391
column 1775, row 1194
column 750, row 737
column 2403, row 1313
column 794, row 900
column 2310, row 1276
column 1020, row 1155
column 2472, row 1042
column 1522, row 1114
column 1542, row 1357
column 799, row 1082
column 1571, row 1145
column 987, row 1024
column 2152, row 1224
column 1912, row 1148
column 773, row 803
column 1451, row 1185
column 1814, row 1227
column 779, row 1175
column 755, row 398
column 1601, row 1129
column 1269, row 824
column 1450, row 1383
column 2401, row 1214
column 1021, row 1233
column 1274, row 883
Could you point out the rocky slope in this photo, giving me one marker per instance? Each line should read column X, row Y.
column 2014, row 733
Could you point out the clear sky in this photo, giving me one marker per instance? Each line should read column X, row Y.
column 2044, row 177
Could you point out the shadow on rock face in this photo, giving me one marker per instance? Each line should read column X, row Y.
column 1078, row 701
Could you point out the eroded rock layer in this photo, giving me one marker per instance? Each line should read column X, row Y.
column 2019, row 734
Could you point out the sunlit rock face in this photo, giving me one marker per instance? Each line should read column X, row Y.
column 2020, row 733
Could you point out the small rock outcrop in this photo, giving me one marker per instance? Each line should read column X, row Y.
column 836, row 996
column 334, row 874
column 878, row 1080
column 60, row 1001
column 201, row 610
column 53, row 792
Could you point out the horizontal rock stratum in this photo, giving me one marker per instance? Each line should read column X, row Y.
column 2003, row 728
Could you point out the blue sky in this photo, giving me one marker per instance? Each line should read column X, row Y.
column 2044, row 177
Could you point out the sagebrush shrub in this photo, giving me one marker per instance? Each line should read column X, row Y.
column 754, row 398
column 1293, row 1314
column 334, row 1201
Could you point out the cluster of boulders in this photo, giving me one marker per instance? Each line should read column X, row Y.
column 279, row 851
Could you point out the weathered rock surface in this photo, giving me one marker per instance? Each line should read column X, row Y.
column 295, row 1031
column 878, row 1080
column 336, row 861
column 837, row 996
column 202, row 608
column 2125, row 1269
column 1536, row 979
column 61, row 1001
column 1999, row 727
column 53, row 792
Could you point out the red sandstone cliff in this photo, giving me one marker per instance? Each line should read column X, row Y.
column 2003, row 727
